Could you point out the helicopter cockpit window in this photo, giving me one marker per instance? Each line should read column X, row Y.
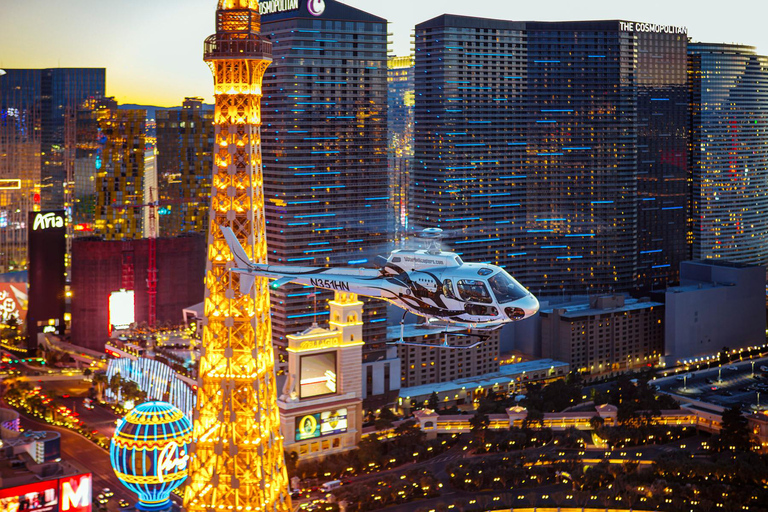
column 448, row 289
column 505, row 288
column 474, row 291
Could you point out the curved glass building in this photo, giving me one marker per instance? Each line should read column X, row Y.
column 729, row 157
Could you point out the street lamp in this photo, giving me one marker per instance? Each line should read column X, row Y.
column 753, row 369
column 720, row 375
column 685, row 382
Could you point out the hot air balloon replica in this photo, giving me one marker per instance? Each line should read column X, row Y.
column 149, row 453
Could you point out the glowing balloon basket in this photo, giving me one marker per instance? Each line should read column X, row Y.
column 149, row 452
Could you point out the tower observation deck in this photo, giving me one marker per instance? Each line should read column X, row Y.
column 237, row 462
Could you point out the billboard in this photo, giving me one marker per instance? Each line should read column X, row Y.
column 69, row 494
column 37, row 497
column 122, row 310
column 13, row 302
column 317, row 375
column 321, row 424
column 47, row 249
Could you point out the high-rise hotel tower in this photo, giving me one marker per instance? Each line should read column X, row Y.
column 325, row 151
column 238, row 461
column 556, row 150
column 729, row 160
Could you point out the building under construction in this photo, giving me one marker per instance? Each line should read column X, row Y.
column 102, row 267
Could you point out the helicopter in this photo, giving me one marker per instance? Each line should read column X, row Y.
column 430, row 283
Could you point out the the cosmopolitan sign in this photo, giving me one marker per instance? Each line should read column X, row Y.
column 274, row 6
column 315, row 7
column 629, row 26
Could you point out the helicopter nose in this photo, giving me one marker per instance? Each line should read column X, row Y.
column 532, row 305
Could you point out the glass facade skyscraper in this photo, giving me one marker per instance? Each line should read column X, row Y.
column 184, row 161
column 400, row 126
column 532, row 140
column 36, row 108
column 324, row 140
column 729, row 159
column 62, row 91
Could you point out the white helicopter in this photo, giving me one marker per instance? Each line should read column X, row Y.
column 430, row 283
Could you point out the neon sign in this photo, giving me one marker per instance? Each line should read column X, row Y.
column 172, row 457
column 48, row 220
column 149, row 452
column 76, row 494
column 274, row 6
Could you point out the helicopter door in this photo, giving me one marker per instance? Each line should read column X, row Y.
column 472, row 290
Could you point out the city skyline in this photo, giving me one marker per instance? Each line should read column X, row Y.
column 150, row 60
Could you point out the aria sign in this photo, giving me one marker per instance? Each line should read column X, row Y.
column 43, row 221
column 315, row 7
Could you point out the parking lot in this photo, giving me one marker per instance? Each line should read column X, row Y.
column 731, row 384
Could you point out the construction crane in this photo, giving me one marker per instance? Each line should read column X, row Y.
column 152, row 233
column 152, row 265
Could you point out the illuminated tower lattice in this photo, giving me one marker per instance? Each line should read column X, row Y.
column 238, row 461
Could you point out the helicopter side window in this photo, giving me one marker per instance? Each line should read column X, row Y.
column 474, row 291
column 448, row 289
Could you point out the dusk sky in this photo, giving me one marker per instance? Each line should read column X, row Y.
column 152, row 49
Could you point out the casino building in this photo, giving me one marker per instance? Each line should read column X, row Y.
column 556, row 150
column 33, row 477
column 324, row 141
column 321, row 402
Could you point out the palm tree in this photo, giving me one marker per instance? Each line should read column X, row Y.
column 559, row 498
column 99, row 380
column 116, row 384
column 533, row 499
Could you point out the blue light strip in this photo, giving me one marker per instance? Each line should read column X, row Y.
column 474, row 241
column 320, row 313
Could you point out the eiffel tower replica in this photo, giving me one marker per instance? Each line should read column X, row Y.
column 237, row 462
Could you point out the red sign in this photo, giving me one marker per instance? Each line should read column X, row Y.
column 37, row 497
column 70, row 494
column 13, row 302
column 75, row 493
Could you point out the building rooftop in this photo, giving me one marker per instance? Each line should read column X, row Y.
column 581, row 309
column 504, row 375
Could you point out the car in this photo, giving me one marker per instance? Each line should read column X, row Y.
column 732, row 368
column 709, row 381
column 764, row 368
column 681, row 378
column 107, row 492
column 123, row 504
column 295, row 495
column 727, row 393
column 101, row 499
